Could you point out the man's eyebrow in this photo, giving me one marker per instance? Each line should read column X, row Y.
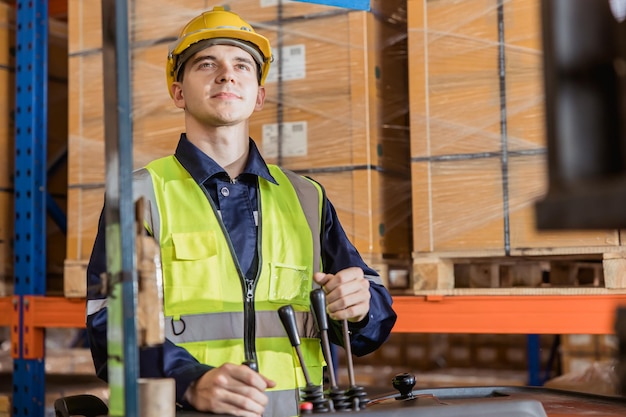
column 201, row 58
column 245, row 60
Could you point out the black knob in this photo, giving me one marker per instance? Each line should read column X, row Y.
column 318, row 303
column 288, row 318
column 404, row 383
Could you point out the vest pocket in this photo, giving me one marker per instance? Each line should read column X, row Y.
column 193, row 246
column 289, row 283
column 190, row 288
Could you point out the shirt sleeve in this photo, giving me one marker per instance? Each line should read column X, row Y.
column 166, row 361
column 339, row 253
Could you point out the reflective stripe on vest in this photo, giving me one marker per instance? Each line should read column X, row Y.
column 218, row 326
column 202, row 278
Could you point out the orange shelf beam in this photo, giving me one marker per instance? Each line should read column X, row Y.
column 532, row 314
column 489, row 314
column 40, row 312
column 6, row 310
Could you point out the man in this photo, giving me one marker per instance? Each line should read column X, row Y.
column 239, row 239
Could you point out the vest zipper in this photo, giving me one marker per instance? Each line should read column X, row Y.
column 248, row 287
column 250, row 294
column 249, row 322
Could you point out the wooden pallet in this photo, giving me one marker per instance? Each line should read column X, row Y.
column 519, row 275
column 395, row 272
column 5, row 405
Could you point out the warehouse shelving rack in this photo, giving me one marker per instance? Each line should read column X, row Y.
column 29, row 311
column 29, row 255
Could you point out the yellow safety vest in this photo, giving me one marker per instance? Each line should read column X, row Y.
column 205, row 290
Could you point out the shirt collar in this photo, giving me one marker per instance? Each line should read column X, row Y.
column 201, row 167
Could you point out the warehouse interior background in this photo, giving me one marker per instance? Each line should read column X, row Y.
column 425, row 122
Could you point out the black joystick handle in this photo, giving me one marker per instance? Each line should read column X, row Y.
column 288, row 318
column 404, row 383
column 318, row 304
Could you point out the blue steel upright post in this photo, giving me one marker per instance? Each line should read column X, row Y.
column 31, row 122
column 123, row 362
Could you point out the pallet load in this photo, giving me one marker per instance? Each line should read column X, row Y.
column 336, row 110
column 478, row 158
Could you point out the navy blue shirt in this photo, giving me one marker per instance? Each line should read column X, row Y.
column 236, row 200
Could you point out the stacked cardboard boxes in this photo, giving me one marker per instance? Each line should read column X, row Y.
column 478, row 146
column 336, row 110
column 342, row 104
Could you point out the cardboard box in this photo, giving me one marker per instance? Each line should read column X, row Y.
column 341, row 94
column 372, row 207
column 476, row 227
column 477, row 132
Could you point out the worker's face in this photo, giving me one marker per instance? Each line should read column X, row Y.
column 219, row 86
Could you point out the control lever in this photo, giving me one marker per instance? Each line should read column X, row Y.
column 318, row 304
column 288, row 318
column 338, row 400
column 356, row 393
column 312, row 393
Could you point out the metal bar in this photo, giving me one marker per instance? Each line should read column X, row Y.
column 533, row 347
column 6, row 309
column 508, row 314
column 30, row 147
column 56, row 213
column 40, row 312
column 119, row 212
column 31, row 125
column 55, row 311
column 16, row 331
column 504, row 138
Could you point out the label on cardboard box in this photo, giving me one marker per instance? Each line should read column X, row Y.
column 293, row 143
column 293, row 65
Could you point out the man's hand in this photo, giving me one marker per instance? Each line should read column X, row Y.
column 230, row 389
column 347, row 294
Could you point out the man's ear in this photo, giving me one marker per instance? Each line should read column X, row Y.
column 177, row 94
column 260, row 99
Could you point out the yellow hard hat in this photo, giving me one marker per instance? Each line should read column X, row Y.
column 217, row 27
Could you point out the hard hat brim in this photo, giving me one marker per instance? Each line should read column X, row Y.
column 261, row 42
